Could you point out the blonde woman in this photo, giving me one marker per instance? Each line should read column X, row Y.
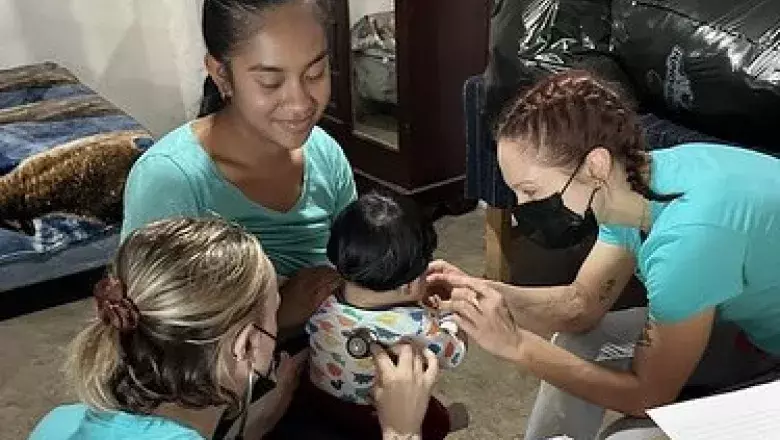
column 186, row 326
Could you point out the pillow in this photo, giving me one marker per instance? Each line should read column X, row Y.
column 713, row 66
column 85, row 177
column 529, row 39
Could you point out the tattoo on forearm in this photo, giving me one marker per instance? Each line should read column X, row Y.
column 606, row 291
column 645, row 340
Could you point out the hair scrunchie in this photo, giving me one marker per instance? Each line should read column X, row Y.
column 114, row 307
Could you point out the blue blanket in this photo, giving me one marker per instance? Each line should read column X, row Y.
column 22, row 139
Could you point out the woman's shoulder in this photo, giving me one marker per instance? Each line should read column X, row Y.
column 176, row 138
column 711, row 176
column 60, row 422
column 724, row 157
column 323, row 146
column 178, row 150
column 79, row 421
column 180, row 145
column 320, row 136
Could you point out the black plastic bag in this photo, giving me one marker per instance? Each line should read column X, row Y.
column 533, row 38
column 713, row 65
column 373, row 43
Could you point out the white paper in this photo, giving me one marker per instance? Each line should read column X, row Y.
column 751, row 413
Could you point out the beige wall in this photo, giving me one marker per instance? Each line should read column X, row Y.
column 146, row 56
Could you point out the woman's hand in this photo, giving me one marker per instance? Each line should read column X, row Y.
column 288, row 377
column 482, row 313
column 402, row 390
column 436, row 287
column 289, row 373
column 303, row 293
column 442, row 267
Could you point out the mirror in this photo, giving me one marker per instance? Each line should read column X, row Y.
column 373, row 67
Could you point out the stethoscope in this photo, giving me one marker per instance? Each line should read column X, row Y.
column 358, row 346
column 245, row 412
column 359, row 342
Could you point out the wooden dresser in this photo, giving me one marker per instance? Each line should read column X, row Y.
column 439, row 44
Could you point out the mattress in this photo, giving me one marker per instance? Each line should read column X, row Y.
column 61, row 110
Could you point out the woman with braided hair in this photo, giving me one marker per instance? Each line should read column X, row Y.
column 186, row 326
column 698, row 223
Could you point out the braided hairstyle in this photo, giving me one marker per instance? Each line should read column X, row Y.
column 569, row 114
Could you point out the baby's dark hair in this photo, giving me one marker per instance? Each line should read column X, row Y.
column 227, row 24
column 380, row 242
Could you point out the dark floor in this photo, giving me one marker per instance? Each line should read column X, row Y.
column 42, row 296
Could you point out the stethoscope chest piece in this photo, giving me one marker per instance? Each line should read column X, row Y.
column 359, row 343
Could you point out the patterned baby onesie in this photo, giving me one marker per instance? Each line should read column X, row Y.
column 336, row 372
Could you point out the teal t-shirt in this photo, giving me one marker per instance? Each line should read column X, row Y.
column 176, row 178
column 78, row 422
column 716, row 246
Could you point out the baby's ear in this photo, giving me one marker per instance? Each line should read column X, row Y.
column 431, row 295
column 437, row 290
column 432, row 302
column 418, row 289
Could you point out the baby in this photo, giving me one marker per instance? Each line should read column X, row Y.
column 381, row 247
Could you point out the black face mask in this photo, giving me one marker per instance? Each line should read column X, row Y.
column 551, row 224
